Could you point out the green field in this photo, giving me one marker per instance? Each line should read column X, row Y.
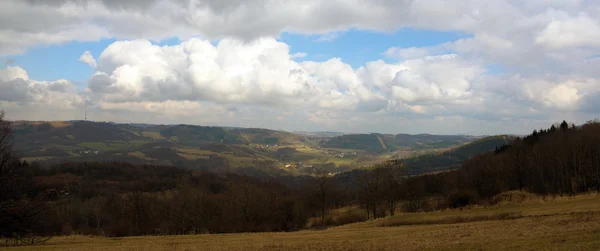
column 552, row 224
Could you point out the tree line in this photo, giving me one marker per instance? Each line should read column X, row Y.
column 120, row 199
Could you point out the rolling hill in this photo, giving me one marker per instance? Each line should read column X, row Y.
column 233, row 149
column 198, row 147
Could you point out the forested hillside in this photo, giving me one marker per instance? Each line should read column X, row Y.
column 381, row 143
column 368, row 142
column 453, row 158
column 119, row 199
column 560, row 160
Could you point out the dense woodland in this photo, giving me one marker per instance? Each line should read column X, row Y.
column 561, row 160
column 121, row 199
column 451, row 159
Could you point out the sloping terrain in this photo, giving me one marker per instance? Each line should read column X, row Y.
column 195, row 135
column 381, row 143
column 63, row 137
column 268, row 137
column 455, row 157
column 367, row 142
column 428, row 141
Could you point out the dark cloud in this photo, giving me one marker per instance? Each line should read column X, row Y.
column 15, row 90
column 59, row 86
column 371, row 106
column 101, row 83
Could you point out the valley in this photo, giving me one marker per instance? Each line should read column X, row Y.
column 184, row 187
column 240, row 150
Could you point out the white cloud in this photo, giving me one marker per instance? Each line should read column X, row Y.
column 549, row 49
column 17, row 89
column 299, row 55
column 409, row 53
column 133, row 74
column 58, row 21
column 87, row 58
column 570, row 31
column 329, row 37
column 13, row 72
column 260, row 72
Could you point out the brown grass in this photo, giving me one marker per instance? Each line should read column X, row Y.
column 153, row 135
column 453, row 219
column 140, row 155
column 555, row 224
column 517, row 197
column 59, row 124
column 337, row 217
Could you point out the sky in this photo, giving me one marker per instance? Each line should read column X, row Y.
column 402, row 66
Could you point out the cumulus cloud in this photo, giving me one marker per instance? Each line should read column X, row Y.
column 17, row 88
column 260, row 72
column 263, row 73
column 549, row 49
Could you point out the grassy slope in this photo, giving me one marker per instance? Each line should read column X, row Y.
column 560, row 224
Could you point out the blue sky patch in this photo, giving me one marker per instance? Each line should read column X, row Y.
column 356, row 47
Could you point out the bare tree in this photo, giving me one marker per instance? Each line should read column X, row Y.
column 139, row 207
column 393, row 173
column 372, row 189
column 323, row 192
column 97, row 203
column 250, row 201
column 20, row 214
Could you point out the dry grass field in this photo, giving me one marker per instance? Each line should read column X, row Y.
column 551, row 224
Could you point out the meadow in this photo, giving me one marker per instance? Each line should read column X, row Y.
column 561, row 223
